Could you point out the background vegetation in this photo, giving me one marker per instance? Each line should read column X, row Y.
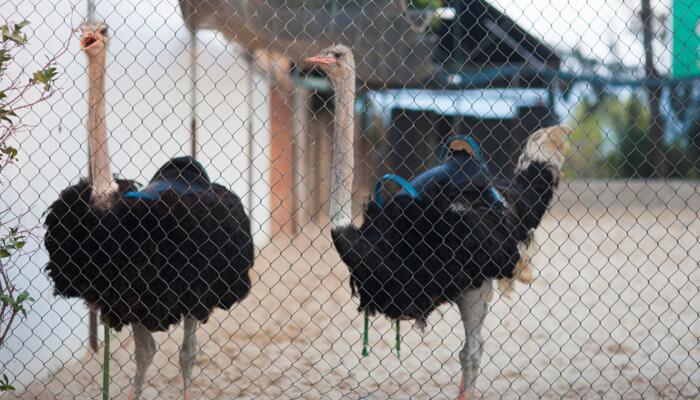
column 611, row 140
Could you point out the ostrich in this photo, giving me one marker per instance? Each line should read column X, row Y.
column 173, row 251
column 415, row 253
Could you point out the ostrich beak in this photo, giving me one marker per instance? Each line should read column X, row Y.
column 88, row 40
column 320, row 60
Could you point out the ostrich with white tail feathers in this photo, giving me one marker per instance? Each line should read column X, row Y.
column 415, row 253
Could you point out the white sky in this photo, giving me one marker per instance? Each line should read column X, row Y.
column 589, row 24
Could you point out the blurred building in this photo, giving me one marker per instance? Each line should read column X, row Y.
column 420, row 79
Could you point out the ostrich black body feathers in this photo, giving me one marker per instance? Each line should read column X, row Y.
column 180, row 247
column 78, row 239
column 414, row 254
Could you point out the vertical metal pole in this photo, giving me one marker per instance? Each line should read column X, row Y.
column 92, row 310
column 105, row 366
column 398, row 338
column 365, row 336
column 249, row 73
column 653, row 87
column 91, row 11
column 92, row 316
column 193, row 93
column 458, row 33
column 301, row 185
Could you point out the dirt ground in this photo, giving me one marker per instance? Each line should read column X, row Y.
column 614, row 313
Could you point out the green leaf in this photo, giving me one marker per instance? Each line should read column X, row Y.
column 5, row 56
column 6, row 114
column 5, row 30
column 6, row 387
column 45, row 76
column 16, row 308
column 12, row 153
column 21, row 25
column 24, row 296
column 4, row 253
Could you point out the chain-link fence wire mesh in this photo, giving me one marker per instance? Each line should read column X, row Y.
column 613, row 309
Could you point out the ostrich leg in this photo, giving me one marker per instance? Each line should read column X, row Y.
column 472, row 307
column 188, row 354
column 144, row 352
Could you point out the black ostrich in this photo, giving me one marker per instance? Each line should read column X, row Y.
column 449, row 242
column 173, row 251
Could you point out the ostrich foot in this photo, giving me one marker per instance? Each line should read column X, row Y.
column 186, row 395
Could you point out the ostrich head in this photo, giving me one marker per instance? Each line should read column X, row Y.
column 94, row 38
column 337, row 61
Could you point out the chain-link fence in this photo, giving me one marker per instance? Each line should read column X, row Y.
column 380, row 200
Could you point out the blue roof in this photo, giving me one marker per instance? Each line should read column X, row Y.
column 480, row 103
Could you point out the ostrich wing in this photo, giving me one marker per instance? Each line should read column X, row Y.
column 412, row 255
column 182, row 254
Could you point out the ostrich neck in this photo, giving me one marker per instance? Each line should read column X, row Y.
column 102, row 182
column 343, row 158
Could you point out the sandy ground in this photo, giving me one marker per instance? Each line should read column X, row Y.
column 614, row 313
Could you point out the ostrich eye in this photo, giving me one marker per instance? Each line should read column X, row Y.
column 337, row 54
column 103, row 31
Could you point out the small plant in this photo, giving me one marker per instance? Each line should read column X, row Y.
column 17, row 93
column 5, row 385
column 12, row 301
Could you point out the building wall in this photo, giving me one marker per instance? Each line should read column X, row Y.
column 148, row 116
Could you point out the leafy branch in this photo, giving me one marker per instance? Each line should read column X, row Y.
column 23, row 91
column 11, row 303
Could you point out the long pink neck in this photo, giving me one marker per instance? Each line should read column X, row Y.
column 103, row 184
column 343, row 156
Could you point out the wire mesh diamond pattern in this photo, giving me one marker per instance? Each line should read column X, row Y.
column 369, row 199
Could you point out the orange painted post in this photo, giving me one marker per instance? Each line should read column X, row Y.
column 282, row 156
column 302, row 181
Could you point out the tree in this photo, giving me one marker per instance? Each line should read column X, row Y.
column 656, row 128
column 587, row 157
